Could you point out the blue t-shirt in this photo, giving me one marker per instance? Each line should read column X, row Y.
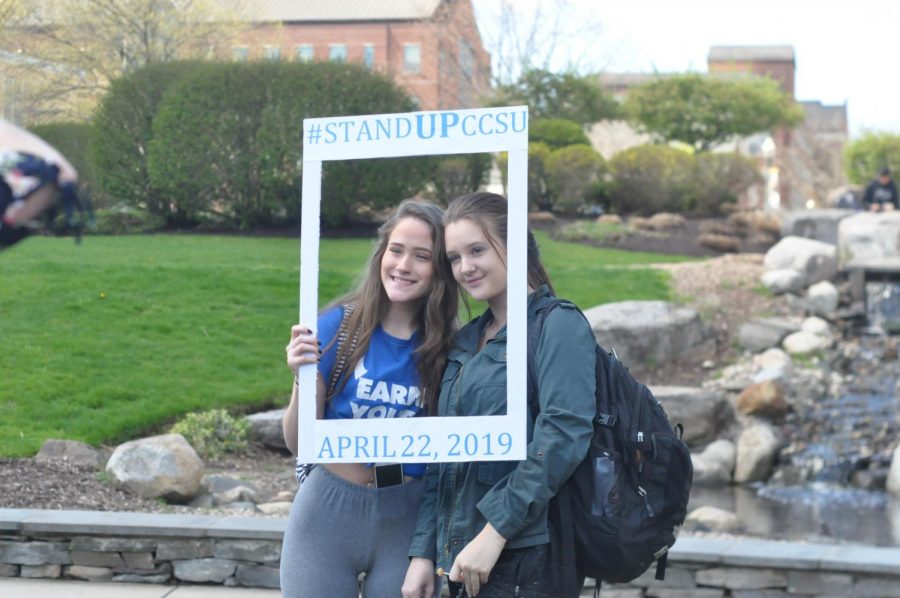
column 383, row 384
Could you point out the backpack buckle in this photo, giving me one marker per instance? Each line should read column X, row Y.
column 606, row 419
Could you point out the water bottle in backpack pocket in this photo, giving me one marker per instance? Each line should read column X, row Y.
column 605, row 501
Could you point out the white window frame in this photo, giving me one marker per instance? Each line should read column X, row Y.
column 332, row 48
column 301, row 49
column 408, row 65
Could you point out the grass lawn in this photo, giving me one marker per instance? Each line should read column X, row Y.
column 120, row 336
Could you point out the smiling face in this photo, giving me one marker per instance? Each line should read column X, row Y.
column 477, row 266
column 406, row 266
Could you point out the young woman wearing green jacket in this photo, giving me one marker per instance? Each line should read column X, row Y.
column 485, row 524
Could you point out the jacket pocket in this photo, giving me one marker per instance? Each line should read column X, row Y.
column 491, row 472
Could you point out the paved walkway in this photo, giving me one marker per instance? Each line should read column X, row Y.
column 16, row 587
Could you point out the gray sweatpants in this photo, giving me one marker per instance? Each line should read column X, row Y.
column 338, row 530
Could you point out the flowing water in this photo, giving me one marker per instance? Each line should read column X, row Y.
column 828, row 485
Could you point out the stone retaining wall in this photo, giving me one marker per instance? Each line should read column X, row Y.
column 141, row 547
column 245, row 551
column 748, row 568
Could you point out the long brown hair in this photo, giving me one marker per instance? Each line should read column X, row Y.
column 489, row 211
column 436, row 319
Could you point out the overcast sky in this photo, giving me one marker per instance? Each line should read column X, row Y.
column 840, row 46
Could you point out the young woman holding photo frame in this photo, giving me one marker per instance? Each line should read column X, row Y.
column 383, row 348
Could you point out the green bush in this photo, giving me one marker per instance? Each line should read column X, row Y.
column 591, row 230
column 866, row 156
column 227, row 143
column 649, row 178
column 204, row 156
column 574, row 177
column 214, row 433
column 123, row 219
column 121, row 132
column 457, row 175
column 538, row 196
column 718, row 179
column 556, row 133
column 318, row 89
column 72, row 139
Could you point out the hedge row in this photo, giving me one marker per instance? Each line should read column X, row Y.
column 197, row 142
column 652, row 178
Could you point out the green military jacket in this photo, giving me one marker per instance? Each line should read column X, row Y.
column 460, row 498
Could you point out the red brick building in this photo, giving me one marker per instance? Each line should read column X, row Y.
column 807, row 161
column 430, row 47
column 775, row 62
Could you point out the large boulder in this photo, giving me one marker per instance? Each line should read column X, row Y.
column 783, row 281
column 225, row 489
column 666, row 221
column 765, row 399
column 763, row 333
column 815, row 260
column 159, row 466
column 756, row 450
column 772, row 364
column 893, row 480
column 703, row 412
column 869, row 236
column 822, row 298
column 821, row 225
column 72, row 452
column 804, row 343
column 265, row 427
column 715, row 464
column 713, row 519
column 643, row 332
column 814, row 335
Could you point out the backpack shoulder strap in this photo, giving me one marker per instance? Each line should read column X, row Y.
column 343, row 337
column 535, row 328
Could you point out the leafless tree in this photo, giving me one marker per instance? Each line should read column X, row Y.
column 523, row 36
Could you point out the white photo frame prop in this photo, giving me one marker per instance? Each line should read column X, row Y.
column 419, row 439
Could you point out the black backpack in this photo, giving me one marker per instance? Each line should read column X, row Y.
column 623, row 506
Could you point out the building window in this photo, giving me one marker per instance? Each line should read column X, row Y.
column 272, row 53
column 240, row 53
column 466, row 74
column 466, row 59
column 337, row 53
column 305, row 53
column 412, row 58
column 369, row 55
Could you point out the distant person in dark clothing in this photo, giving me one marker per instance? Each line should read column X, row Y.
column 34, row 179
column 881, row 193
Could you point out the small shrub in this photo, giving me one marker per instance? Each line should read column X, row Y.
column 540, row 217
column 667, row 221
column 723, row 243
column 124, row 219
column 458, row 175
column 556, row 133
column 121, row 132
column 718, row 180
column 715, row 227
column 213, row 433
column 649, row 178
column 538, row 196
column 574, row 174
column 594, row 231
